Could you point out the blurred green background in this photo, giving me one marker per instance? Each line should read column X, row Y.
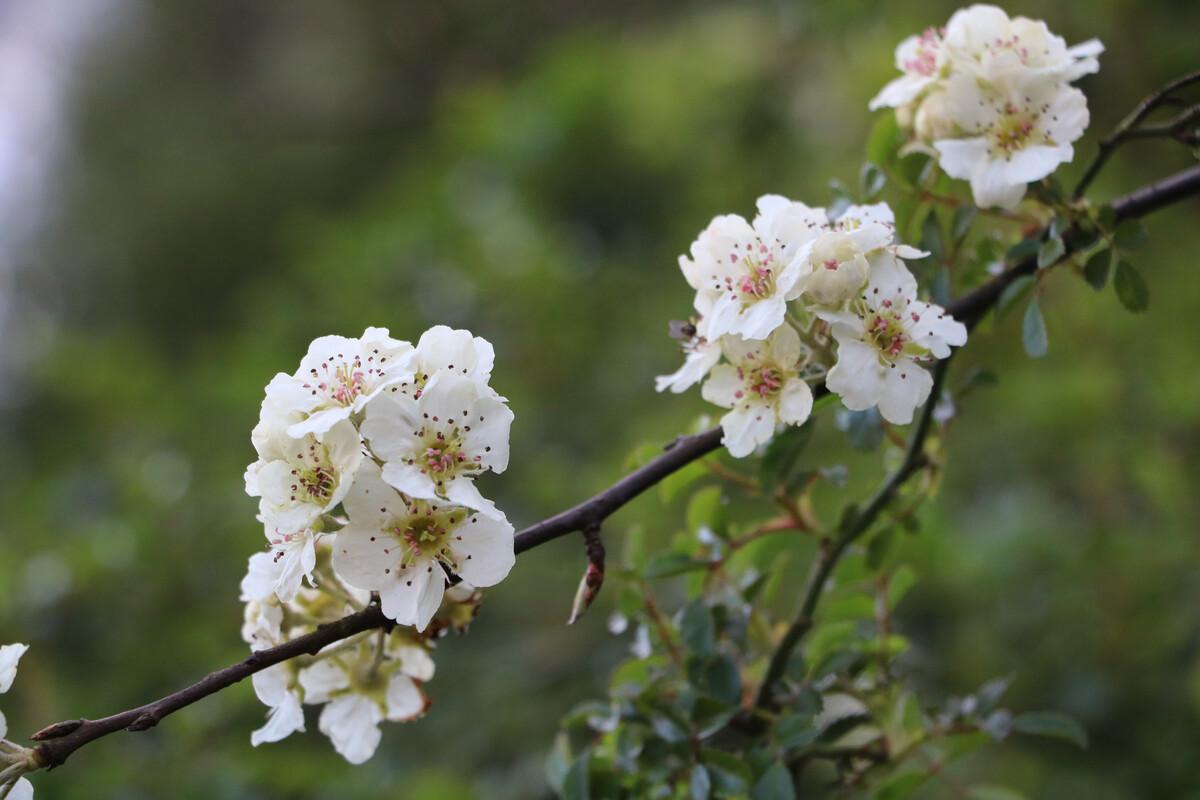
column 193, row 191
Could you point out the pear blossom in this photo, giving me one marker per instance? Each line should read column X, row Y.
column 838, row 256
column 444, row 351
column 406, row 548
column 1015, row 131
column 15, row 760
column 745, row 273
column 434, row 446
column 277, row 687
column 762, row 387
column 361, row 687
column 882, row 337
column 921, row 59
column 300, row 478
column 982, row 38
column 338, row 377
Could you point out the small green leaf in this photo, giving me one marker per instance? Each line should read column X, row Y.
column 871, row 180
column 723, row 679
column 706, row 509
column 864, row 429
column 697, row 629
column 1033, row 331
column 884, row 140
column 700, row 784
column 1022, row 250
column 1052, row 724
column 1013, row 293
column 900, row 786
column 903, row 579
column 961, row 224
column 1050, row 252
column 673, row 484
column 1130, row 235
column 931, row 236
column 775, row 784
column 796, row 730
column 729, row 773
column 1131, row 287
column 575, row 784
column 666, row 565
column 1096, row 270
column 780, row 464
column 1106, row 217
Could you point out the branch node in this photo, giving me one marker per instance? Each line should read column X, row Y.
column 144, row 722
column 593, row 576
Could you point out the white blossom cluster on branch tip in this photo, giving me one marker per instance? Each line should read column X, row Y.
column 991, row 97
column 367, row 459
column 15, row 760
column 795, row 296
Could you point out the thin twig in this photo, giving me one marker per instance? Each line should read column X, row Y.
column 1125, row 129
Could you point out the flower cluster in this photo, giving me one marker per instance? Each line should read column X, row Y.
column 367, row 459
column 991, row 97
column 794, row 296
column 15, row 760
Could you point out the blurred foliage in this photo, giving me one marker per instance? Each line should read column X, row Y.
column 247, row 180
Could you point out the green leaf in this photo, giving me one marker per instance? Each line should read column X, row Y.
column 1033, row 331
column 1106, row 217
column 1130, row 235
column 1022, row 250
column 1052, row 724
column 700, row 784
column 1050, row 252
column 575, row 784
column 961, row 225
column 1096, row 270
column 723, row 679
column 931, row 236
column 780, row 464
column 984, row 792
column 1131, row 287
column 729, row 773
column 1013, row 293
column 884, row 140
column 871, row 180
column 706, row 509
column 903, row 579
column 914, row 168
column 697, row 629
column 796, row 730
column 864, row 429
column 775, row 784
column 666, row 565
column 900, row 786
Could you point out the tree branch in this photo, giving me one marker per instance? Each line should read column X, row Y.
column 57, row 742
column 1128, row 130
column 858, row 523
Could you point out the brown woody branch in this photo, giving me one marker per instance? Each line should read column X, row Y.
column 57, row 742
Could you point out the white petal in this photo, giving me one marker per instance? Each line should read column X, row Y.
column 483, row 550
column 906, row 387
column 405, row 700
column 10, row 656
column 261, row 574
column 746, row 427
column 366, row 557
column 390, row 426
column 322, row 680
column 857, row 377
column 284, row 719
column 461, row 491
column 962, row 158
column 795, row 402
column 22, row 790
column 695, row 367
column 370, row 501
column 991, row 188
column 352, row 724
column 722, row 386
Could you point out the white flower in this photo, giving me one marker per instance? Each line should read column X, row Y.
column 298, row 479
column 277, row 688
column 14, row 759
column 882, row 337
column 338, row 377
column 1016, row 131
column 983, row 38
column 262, row 621
column 434, row 446
column 701, row 356
column 361, row 688
column 403, row 548
column 744, row 274
column 445, row 351
column 920, row 58
column 761, row 385
column 838, row 257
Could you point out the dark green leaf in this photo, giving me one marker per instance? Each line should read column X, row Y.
column 1050, row 252
column 961, row 224
column 1107, row 218
column 1033, row 331
column 1130, row 235
column 775, row 784
column 914, row 168
column 673, row 484
column 724, row 681
column 884, row 140
column 575, row 784
column 931, row 236
column 1052, row 724
column 796, row 730
column 1096, row 270
column 900, row 786
column 696, row 628
column 729, row 773
column 1022, row 250
column 780, row 464
column 1014, row 292
column 1131, row 288
column 706, row 509
column 871, row 180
